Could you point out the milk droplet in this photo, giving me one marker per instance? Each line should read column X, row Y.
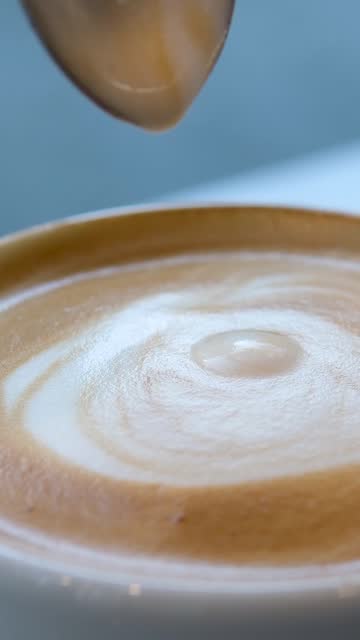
column 247, row 353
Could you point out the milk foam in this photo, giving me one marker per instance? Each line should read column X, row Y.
column 126, row 399
column 169, row 406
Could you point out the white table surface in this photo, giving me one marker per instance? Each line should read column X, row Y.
column 330, row 180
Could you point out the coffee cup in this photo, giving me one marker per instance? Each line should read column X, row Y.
column 179, row 394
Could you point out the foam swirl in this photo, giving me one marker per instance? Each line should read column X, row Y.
column 119, row 378
column 136, row 406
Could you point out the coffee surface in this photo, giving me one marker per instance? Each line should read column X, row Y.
column 200, row 405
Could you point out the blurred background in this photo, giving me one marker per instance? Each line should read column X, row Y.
column 288, row 83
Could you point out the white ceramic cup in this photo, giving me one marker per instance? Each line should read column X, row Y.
column 47, row 600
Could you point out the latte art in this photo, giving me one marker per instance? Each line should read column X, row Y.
column 239, row 380
column 201, row 406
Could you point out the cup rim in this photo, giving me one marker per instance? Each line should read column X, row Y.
column 326, row 588
column 171, row 206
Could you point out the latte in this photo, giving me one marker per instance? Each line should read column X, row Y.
column 184, row 387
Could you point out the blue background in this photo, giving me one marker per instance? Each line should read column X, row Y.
column 288, row 83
